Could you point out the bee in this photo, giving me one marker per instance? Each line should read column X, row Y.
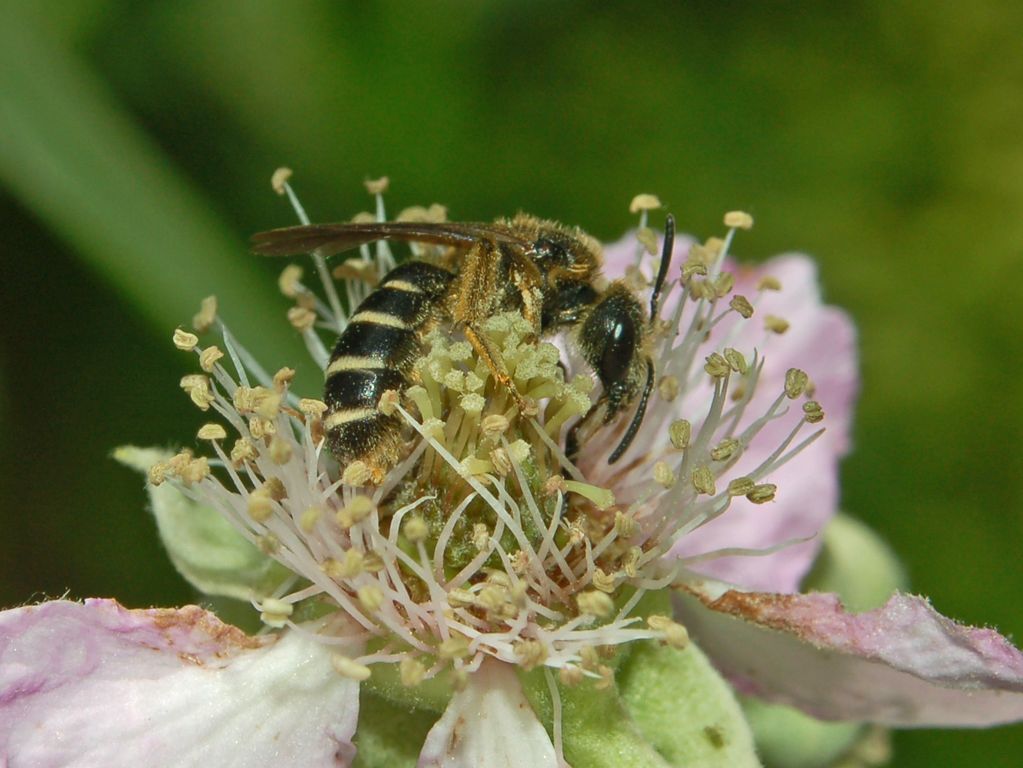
column 547, row 271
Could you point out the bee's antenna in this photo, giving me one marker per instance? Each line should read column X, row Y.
column 662, row 270
column 637, row 420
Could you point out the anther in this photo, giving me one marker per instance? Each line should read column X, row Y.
column 795, row 383
column 768, row 283
column 647, row 239
column 530, row 653
column 280, row 179
column 184, row 340
column 741, row 305
column 673, row 633
column 208, row 358
column 348, row 668
column 280, row 450
column 570, row 675
column 812, row 411
column 312, row 408
column 603, row 581
column 203, row 320
column 740, row 486
column 301, row 319
column 738, row 220
column 212, row 432
column 669, row 388
column 355, row 511
column 377, row 186
column 415, row 528
column 283, row 378
column 275, row 487
column 717, row 366
column 680, row 433
column 411, row 671
column 736, row 361
column 644, row 202
column 242, row 451
column 290, row 281
column 275, row 612
column 260, row 506
column 724, row 450
column 371, row 597
column 762, row 493
column 595, row 603
column 663, row 474
column 309, row 518
column 357, row 474
column 703, row 481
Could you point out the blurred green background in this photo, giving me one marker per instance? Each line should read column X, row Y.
column 137, row 142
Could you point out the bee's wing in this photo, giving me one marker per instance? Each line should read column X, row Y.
column 335, row 238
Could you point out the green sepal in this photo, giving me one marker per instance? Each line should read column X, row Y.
column 389, row 735
column 855, row 564
column 683, row 707
column 787, row 738
column 597, row 731
column 431, row 696
column 203, row 546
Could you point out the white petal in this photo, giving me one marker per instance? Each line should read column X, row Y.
column 100, row 685
column 489, row 724
column 903, row 664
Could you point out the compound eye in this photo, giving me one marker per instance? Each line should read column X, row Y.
column 618, row 352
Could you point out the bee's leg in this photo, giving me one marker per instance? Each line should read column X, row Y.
column 492, row 360
column 572, row 438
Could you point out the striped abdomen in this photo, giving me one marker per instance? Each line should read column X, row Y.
column 375, row 353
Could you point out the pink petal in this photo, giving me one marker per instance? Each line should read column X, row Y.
column 903, row 664
column 98, row 684
column 489, row 724
column 821, row 341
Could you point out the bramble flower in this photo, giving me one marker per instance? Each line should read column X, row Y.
column 486, row 601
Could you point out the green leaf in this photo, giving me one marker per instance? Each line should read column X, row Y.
column 72, row 155
column 389, row 735
column 597, row 729
column 684, row 708
column 203, row 546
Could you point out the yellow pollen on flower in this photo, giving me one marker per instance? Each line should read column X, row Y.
column 283, row 378
column 280, row 450
column 301, row 319
column 461, row 598
column 776, row 324
column 415, row 528
column 742, row 306
column 290, row 281
column 530, row 653
column 813, row 412
column 669, row 388
column 312, row 408
column 703, row 481
column 595, row 603
column 371, row 597
column 355, row 511
column 795, row 383
column 717, row 366
column 279, row 179
column 203, row 320
column 736, row 361
column 455, row 647
column 763, row 493
column 644, row 202
column 377, row 186
column 673, row 633
column 357, row 474
column 243, row 451
column 663, row 474
column 411, row 672
column 184, row 340
column 740, row 486
column 603, row 581
column 309, row 518
column 208, row 358
column 738, row 220
column 260, row 505
column 212, row 432
column 725, row 450
column 570, row 675
column 680, row 432
column 197, row 387
column 349, row 668
column 768, row 283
